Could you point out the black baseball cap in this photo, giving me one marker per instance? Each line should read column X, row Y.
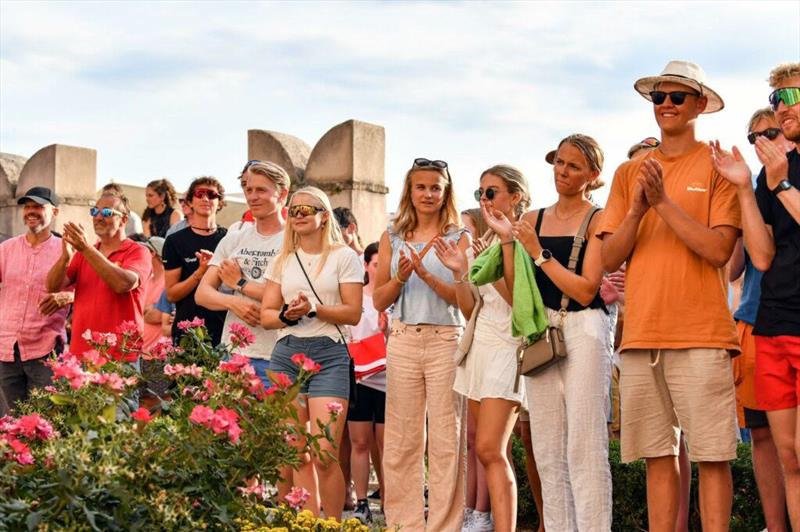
column 40, row 195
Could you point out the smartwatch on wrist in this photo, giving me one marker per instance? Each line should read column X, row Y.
column 313, row 312
column 782, row 186
column 240, row 285
column 543, row 257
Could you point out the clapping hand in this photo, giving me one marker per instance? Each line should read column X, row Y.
column 452, row 256
column 495, row 219
column 298, row 307
column 731, row 166
column 230, row 273
column 651, row 179
column 75, row 236
column 776, row 164
column 526, row 235
column 479, row 246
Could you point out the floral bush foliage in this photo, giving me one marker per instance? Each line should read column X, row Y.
column 82, row 455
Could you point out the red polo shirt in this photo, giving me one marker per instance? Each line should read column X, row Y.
column 99, row 308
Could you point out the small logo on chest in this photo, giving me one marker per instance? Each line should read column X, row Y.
column 696, row 186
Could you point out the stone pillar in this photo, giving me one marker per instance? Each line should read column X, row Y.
column 69, row 171
column 289, row 152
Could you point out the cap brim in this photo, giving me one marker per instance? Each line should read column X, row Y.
column 645, row 85
column 37, row 199
column 550, row 157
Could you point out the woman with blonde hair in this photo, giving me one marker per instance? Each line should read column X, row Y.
column 160, row 213
column 426, row 326
column 313, row 287
column 488, row 375
column 568, row 401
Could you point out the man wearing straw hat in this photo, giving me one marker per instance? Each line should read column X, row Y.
column 673, row 218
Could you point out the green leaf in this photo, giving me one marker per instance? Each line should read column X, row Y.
column 109, row 413
column 33, row 519
column 61, row 399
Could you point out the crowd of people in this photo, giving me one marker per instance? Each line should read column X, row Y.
column 422, row 337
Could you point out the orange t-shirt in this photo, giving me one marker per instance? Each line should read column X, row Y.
column 674, row 299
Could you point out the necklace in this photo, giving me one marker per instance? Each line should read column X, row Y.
column 209, row 229
column 564, row 219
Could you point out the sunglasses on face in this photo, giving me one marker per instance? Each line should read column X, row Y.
column 676, row 97
column 106, row 212
column 490, row 193
column 296, row 211
column 788, row 95
column 771, row 133
column 422, row 162
column 206, row 193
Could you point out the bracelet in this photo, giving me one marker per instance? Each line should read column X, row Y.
column 398, row 279
column 463, row 279
column 284, row 319
column 507, row 242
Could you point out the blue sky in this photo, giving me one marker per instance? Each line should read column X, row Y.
column 169, row 89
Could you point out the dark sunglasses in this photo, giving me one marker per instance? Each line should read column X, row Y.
column 490, row 193
column 788, row 95
column 676, row 97
column 106, row 213
column 422, row 162
column 771, row 133
column 651, row 141
column 250, row 163
column 295, row 211
column 206, row 193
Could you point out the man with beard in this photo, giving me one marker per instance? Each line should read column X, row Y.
column 108, row 277
column 771, row 222
column 31, row 320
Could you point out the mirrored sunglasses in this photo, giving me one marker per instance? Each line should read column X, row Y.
column 788, row 95
column 206, row 193
column 106, row 212
column 296, row 211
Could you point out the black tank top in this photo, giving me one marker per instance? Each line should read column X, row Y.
column 159, row 223
column 560, row 247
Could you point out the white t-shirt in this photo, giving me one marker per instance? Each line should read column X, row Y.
column 254, row 253
column 341, row 266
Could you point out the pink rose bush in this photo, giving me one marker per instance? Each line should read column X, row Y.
column 203, row 453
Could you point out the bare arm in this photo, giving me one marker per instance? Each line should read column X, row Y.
column 271, row 306
column 57, row 276
column 152, row 315
column 441, row 288
column 208, row 295
column 175, row 217
column 387, row 288
column 455, row 260
column 117, row 278
column 348, row 312
column 736, row 263
column 177, row 289
column 618, row 246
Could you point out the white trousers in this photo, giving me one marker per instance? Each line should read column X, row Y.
column 569, row 405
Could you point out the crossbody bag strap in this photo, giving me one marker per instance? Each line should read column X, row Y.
column 310, row 284
column 577, row 244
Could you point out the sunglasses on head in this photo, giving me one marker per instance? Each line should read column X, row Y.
column 788, row 95
column 422, row 162
column 676, row 97
column 651, row 141
column 206, row 193
column 771, row 133
column 490, row 193
column 296, row 211
column 106, row 212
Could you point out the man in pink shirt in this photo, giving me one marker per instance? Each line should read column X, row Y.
column 108, row 277
column 31, row 320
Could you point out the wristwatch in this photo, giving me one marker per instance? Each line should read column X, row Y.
column 783, row 185
column 544, row 256
column 313, row 312
column 240, row 285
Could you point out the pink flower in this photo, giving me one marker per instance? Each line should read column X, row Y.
column 128, row 328
column 297, row 497
column 50, row 389
column 99, row 340
column 305, row 363
column 254, row 487
column 21, row 453
column 226, row 420
column 237, row 364
column 201, row 415
column 162, row 350
column 143, row 415
column 33, row 427
column 241, row 336
column 334, row 408
column 68, row 367
column 185, row 325
column 298, row 359
column 180, row 370
column 94, row 358
column 281, row 380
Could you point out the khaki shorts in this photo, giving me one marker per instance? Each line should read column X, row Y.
column 666, row 391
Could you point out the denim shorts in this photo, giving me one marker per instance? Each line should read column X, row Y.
column 333, row 380
column 262, row 367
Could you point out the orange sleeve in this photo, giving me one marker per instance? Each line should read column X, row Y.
column 616, row 205
column 724, row 204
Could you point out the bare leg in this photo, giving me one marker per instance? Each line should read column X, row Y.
column 496, row 421
column 331, row 480
column 345, row 453
column 783, row 425
column 530, row 469
column 305, row 475
column 769, row 479
column 685, row 471
column 472, row 459
column 716, row 495
column 378, row 463
column 360, row 441
column 663, row 485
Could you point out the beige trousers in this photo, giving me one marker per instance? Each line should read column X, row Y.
column 419, row 378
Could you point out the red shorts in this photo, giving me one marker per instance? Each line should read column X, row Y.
column 777, row 372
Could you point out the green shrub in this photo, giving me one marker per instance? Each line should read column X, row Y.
column 630, row 493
